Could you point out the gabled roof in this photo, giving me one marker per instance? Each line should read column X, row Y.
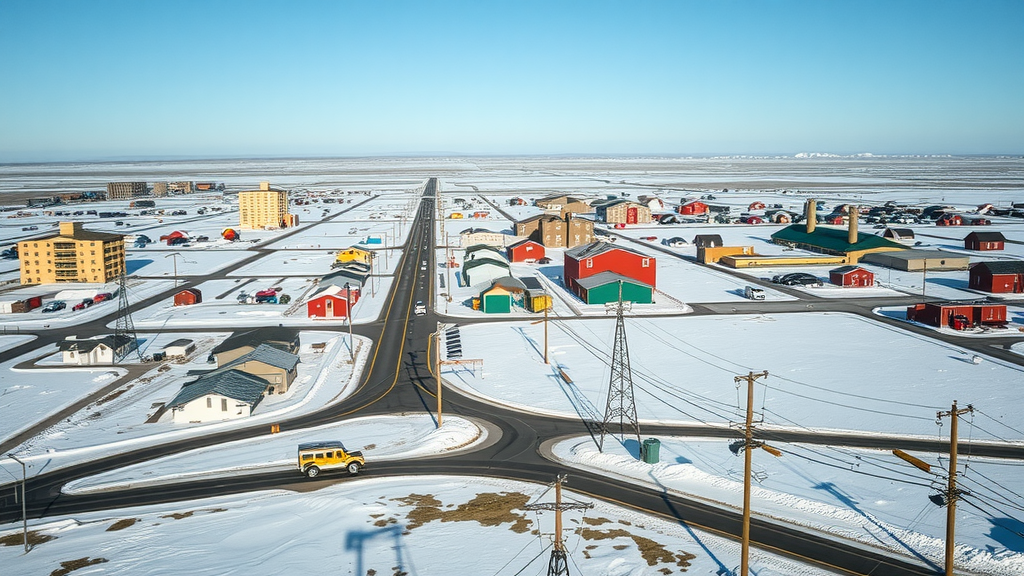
column 602, row 278
column 233, row 384
column 545, row 217
column 478, row 231
column 708, row 240
column 523, row 242
column 899, row 232
column 88, row 345
column 597, row 248
column 477, row 247
column 986, row 236
column 845, row 269
column 477, row 262
column 256, row 336
column 266, row 354
column 833, row 239
column 1003, row 266
column 509, row 283
column 332, row 290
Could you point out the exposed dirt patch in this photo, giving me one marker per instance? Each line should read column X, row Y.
column 122, row 524
column 179, row 515
column 18, row 539
column 113, row 395
column 489, row 509
column 368, row 446
column 70, row 566
column 595, row 521
column 650, row 550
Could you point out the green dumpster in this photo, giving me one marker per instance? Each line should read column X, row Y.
column 649, row 452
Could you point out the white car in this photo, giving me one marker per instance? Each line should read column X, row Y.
column 419, row 309
column 753, row 293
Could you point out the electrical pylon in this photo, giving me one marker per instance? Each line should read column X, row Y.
column 124, row 328
column 621, row 404
column 558, row 564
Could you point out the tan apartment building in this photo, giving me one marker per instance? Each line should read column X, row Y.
column 126, row 190
column 72, row 255
column 264, row 208
column 556, row 232
column 563, row 204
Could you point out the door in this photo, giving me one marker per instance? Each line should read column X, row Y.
column 631, row 215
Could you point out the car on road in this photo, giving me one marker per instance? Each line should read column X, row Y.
column 29, row 228
column 753, row 293
column 101, row 297
column 420, row 308
column 83, row 304
column 55, row 305
column 317, row 456
column 649, row 238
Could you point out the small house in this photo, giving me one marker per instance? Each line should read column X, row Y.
column 245, row 341
column 692, row 208
column 496, row 300
column 95, row 351
column 277, row 367
column 851, row 276
column 535, row 298
column 188, row 297
column 180, row 348
column 998, row 277
column 332, row 302
column 525, row 251
column 958, row 314
column 984, row 241
column 217, row 396
column 605, row 287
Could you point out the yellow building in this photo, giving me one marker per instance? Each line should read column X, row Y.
column 73, row 255
column 354, row 254
column 264, row 208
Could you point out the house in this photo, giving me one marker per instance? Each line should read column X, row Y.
column 901, row 235
column 525, row 251
column 503, row 293
column 471, row 236
column 999, row 277
column 605, row 287
column 179, row 348
column 600, row 257
column 332, row 301
column 484, row 251
column 277, row 367
column 708, row 240
column 343, row 276
column 217, row 396
column 984, row 241
column 354, row 254
column 851, row 276
column 946, row 313
column 480, row 270
column 692, row 208
column 94, row 351
column 188, row 297
column 535, row 297
column 556, row 231
column 624, row 212
column 245, row 341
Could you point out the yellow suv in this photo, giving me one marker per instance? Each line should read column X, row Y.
column 317, row 456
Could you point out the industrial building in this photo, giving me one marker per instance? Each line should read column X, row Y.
column 913, row 260
column 959, row 315
column 126, row 190
column 72, row 255
column 264, row 208
column 848, row 243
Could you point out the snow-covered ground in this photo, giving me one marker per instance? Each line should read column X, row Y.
column 866, row 495
column 827, row 371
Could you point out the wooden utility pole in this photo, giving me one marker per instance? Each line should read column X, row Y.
column 952, row 494
column 546, row 308
column 748, row 435
column 348, row 314
column 558, row 565
column 437, row 369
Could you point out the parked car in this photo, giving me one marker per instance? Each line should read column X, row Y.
column 55, row 305
column 82, row 305
column 101, row 297
column 649, row 238
column 801, row 279
column 753, row 293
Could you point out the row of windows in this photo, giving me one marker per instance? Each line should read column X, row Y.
column 223, row 403
column 644, row 263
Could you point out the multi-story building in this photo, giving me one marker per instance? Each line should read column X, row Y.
column 160, row 189
column 72, row 255
column 264, row 208
column 184, row 187
column 126, row 190
column 555, row 231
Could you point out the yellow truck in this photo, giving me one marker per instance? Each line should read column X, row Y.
column 317, row 456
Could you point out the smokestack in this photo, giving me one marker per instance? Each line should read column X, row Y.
column 852, row 213
column 811, row 214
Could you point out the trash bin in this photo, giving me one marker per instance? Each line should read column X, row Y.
column 650, row 450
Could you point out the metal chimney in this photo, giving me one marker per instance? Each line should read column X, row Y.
column 811, row 214
column 852, row 213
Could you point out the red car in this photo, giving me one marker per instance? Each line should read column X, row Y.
column 649, row 238
column 82, row 305
column 102, row 296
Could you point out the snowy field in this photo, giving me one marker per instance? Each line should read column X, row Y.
column 865, row 495
column 415, row 525
column 118, row 422
column 827, row 371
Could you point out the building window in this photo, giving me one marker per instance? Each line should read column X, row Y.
column 646, row 263
column 209, row 402
column 590, row 262
column 223, row 404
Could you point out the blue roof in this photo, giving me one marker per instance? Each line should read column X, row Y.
column 233, row 384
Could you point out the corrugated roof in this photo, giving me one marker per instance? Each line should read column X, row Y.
column 602, row 278
column 233, row 384
column 1004, row 266
column 833, row 239
column 266, row 354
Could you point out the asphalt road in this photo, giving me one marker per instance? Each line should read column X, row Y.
column 398, row 379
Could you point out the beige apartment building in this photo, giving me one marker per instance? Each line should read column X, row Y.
column 72, row 255
column 264, row 208
column 126, row 190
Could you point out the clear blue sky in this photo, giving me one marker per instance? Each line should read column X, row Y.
column 105, row 79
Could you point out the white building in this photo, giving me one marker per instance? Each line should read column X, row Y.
column 218, row 396
column 93, row 351
column 180, row 348
column 472, row 236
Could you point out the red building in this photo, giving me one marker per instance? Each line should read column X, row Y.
column 959, row 315
column 693, row 207
column 331, row 302
column 525, row 251
column 950, row 220
column 998, row 277
column 591, row 259
column 984, row 241
column 854, row 276
column 188, row 297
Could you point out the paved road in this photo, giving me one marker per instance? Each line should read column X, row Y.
column 398, row 379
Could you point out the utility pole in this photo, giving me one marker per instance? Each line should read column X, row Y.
column 952, row 493
column 348, row 314
column 748, row 445
column 24, row 517
column 546, row 308
column 437, row 368
column 558, row 565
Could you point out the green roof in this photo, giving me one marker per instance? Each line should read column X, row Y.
column 832, row 239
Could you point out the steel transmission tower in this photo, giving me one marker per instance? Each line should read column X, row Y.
column 621, row 404
column 124, row 328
